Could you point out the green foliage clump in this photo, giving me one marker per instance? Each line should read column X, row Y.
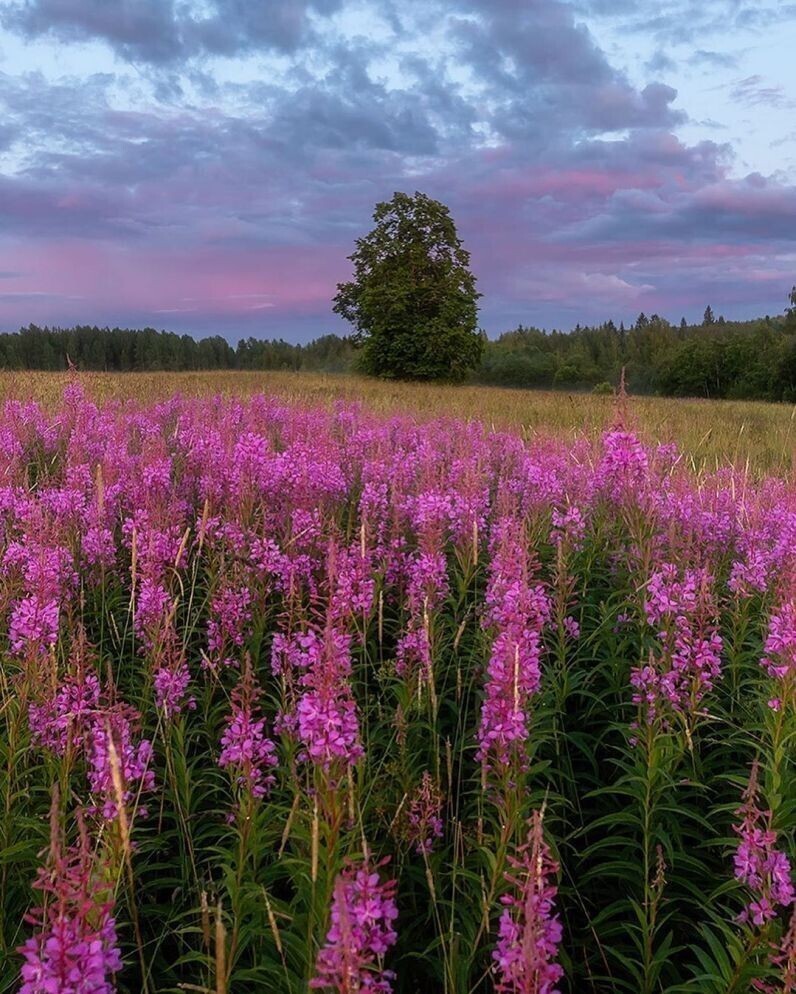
column 413, row 300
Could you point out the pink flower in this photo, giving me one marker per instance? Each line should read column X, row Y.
column 327, row 720
column 529, row 931
column 623, row 471
column 62, row 721
column 74, row 949
column 518, row 610
column 413, row 652
column 245, row 748
column 117, row 763
column 780, row 648
column 688, row 662
column 424, row 821
column 764, row 870
column 33, row 625
column 151, row 607
column 171, row 689
column 569, row 527
column 360, row 934
column 230, row 616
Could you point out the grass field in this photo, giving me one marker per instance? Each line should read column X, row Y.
column 710, row 433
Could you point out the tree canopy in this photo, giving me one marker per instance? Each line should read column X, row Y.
column 413, row 300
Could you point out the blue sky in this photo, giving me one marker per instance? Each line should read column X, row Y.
column 205, row 165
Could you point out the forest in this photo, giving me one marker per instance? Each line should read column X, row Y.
column 716, row 358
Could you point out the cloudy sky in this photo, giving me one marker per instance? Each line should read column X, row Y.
column 205, row 165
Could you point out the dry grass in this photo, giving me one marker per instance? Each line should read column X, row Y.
column 710, row 432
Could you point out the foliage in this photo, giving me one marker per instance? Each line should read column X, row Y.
column 725, row 360
column 413, row 300
column 751, row 360
column 124, row 350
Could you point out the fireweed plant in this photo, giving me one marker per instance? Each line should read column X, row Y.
column 297, row 700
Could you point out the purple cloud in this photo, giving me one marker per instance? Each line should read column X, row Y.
column 162, row 31
column 176, row 194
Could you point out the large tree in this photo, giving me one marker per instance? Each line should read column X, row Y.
column 413, row 300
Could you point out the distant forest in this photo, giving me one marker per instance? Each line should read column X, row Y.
column 717, row 358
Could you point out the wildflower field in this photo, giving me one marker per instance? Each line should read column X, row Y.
column 709, row 433
column 303, row 697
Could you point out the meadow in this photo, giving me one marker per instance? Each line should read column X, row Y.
column 709, row 433
column 315, row 683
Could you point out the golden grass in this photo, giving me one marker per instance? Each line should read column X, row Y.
column 711, row 433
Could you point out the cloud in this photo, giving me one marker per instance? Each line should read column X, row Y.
column 163, row 32
column 36, row 295
column 146, row 30
column 659, row 62
column 754, row 91
column 681, row 22
column 174, row 191
column 713, row 60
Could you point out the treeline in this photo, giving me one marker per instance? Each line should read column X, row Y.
column 718, row 358
column 742, row 360
column 124, row 350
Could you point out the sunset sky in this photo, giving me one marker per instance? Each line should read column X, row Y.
column 206, row 165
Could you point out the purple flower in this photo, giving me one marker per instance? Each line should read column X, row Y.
column 623, row 471
column 780, row 648
column 151, row 608
column 569, row 527
column 518, row 610
column 245, row 748
column 764, row 870
column 171, row 689
column 688, row 662
column 62, row 721
column 360, row 934
column 34, row 625
column 424, row 821
column 326, row 720
column 74, row 949
column 353, row 584
column 119, row 767
column 413, row 653
column 230, row 616
column 529, row 931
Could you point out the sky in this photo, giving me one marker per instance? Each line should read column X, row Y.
column 206, row 166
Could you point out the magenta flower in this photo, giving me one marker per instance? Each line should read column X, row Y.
column 529, row 930
column 34, row 625
column 623, row 471
column 327, row 720
column 74, row 949
column 62, row 721
column 762, row 868
column 413, row 653
column 779, row 660
column 353, row 584
column 171, row 689
column 688, row 663
column 245, row 748
column 518, row 610
column 151, row 608
column 116, row 762
column 360, row 934
column 424, row 820
column 569, row 527
column 230, row 616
